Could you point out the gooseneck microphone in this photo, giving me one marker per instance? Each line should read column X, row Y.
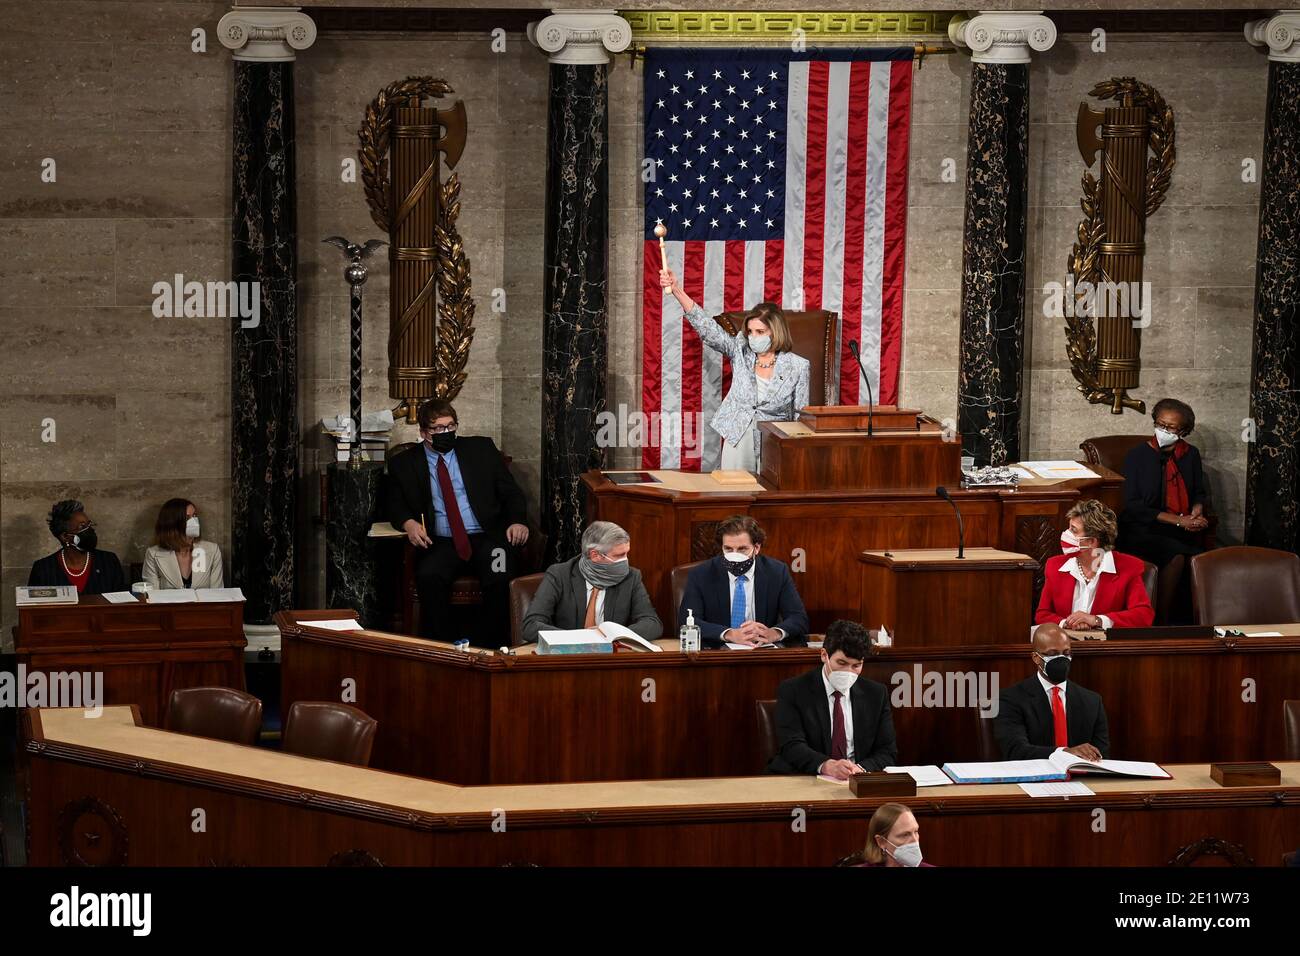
column 942, row 492
column 871, row 405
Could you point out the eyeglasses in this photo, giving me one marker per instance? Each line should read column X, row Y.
column 85, row 527
column 1177, row 430
column 440, row 429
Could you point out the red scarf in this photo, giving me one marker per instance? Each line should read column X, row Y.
column 1175, row 488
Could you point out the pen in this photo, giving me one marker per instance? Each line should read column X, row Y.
column 422, row 527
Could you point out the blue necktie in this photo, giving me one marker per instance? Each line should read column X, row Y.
column 738, row 603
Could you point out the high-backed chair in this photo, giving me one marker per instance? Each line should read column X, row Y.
column 325, row 730
column 816, row 337
column 765, row 712
column 1150, row 578
column 522, row 591
column 1291, row 725
column 678, row 576
column 989, row 749
column 1245, row 585
column 220, row 713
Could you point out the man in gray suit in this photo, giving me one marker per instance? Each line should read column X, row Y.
column 597, row 586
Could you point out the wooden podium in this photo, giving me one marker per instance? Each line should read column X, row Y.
column 929, row 597
column 829, row 449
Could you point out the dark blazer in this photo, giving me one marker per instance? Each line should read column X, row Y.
column 105, row 573
column 561, row 603
column 1144, row 483
column 493, row 493
column 1024, row 728
column 803, row 725
column 708, row 594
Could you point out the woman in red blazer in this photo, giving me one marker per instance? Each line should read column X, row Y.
column 1091, row 586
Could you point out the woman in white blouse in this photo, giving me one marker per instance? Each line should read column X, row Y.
column 179, row 557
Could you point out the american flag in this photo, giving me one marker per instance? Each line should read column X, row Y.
column 780, row 177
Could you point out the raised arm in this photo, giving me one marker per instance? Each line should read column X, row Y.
column 710, row 332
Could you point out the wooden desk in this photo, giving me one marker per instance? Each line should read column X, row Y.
column 482, row 717
column 145, row 651
column 109, row 791
column 829, row 529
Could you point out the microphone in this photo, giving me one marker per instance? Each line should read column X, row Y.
column 853, row 347
column 942, row 492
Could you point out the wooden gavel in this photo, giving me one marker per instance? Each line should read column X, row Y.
column 660, row 231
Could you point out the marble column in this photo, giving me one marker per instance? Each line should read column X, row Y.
column 1273, row 459
column 575, row 321
column 264, row 250
column 992, row 339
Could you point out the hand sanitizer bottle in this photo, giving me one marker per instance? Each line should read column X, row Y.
column 690, row 634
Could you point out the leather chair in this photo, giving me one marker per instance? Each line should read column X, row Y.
column 324, row 730
column 1291, row 724
column 1150, row 581
column 816, row 337
column 679, row 575
column 765, row 712
column 522, row 591
column 989, row 749
column 219, row 713
column 1245, row 585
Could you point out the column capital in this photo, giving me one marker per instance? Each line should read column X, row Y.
column 994, row 37
column 585, row 37
column 1280, row 33
column 266, row 34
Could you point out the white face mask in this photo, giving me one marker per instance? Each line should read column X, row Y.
column 192, row 526
column 760, row 343
column 909, row 854
column 842, row 681
column 1165, row 438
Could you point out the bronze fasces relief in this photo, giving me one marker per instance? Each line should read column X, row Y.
column 1135, row 142
column 431, row 312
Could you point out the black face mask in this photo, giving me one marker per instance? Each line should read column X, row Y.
column 442, row 443
column 1056, row 669
column 85, row 540
column 738, row 567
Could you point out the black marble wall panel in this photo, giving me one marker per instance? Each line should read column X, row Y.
column 352, row 496
column 992, row 343
column 264, row 367
column 1273, row 461
column 575, row 331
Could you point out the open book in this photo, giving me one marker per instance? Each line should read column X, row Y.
column 1059, row 766
column 584, row 640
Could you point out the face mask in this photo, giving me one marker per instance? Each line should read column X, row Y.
column 605, row 574
column 738, row 563
column 1069, row 542
column 909, row 854
column 842, row 681
column 759, row 344
column 442, row 443
column 1164, row 438
column 1056, row 669
column 85, row 540
column 192, row 527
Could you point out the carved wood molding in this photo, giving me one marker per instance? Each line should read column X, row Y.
column 91, row 833
column 1234, row 853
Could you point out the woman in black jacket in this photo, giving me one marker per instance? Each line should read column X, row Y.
column 77, row 562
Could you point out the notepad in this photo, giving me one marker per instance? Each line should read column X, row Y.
column 119, row 597
column 925, row 776
column 1070, row 789
column 172, row 596
column 218, row 595
column 337, row 624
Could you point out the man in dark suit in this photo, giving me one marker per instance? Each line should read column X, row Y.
column 816, row 733
column 77, row 562
column 1046, row 712
column 741, row 596
column 458, row 503
column 597, row 586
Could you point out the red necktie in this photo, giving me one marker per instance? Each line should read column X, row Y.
column 454, row 519
column 839, row 741
column 1058, row 718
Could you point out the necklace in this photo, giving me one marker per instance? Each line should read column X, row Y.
column 85, row 568
column 758, row 364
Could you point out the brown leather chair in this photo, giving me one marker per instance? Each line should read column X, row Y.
column 765, row 711
column 679, row 575
column 522, row 591
column 324, row 730
column 989, row 749
column 1245, row 585
column 816, row 337
column 1150, row 579
column 220, row 713
column 1291, row 724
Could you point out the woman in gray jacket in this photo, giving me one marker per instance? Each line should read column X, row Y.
column 769, row 382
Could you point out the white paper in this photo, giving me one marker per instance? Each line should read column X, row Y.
column 738, row 647
column 119, row 597
column 337, row 624
column 172, row 596
column 615, row 631
column 1262, row 633
column 582, row 635
column 925, row 776
column 1071, row 789
column 823, row 777
column 997, row 771
column 1059, row 470
column 218, row 595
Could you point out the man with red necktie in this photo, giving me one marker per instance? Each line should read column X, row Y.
column 1047, row 712
column 459, row 505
